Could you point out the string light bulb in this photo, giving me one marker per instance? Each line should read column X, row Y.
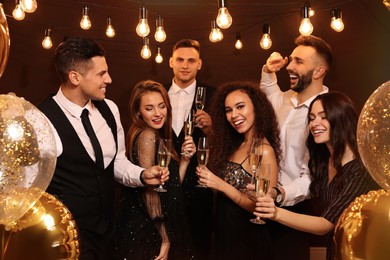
column 224, row 19
column 143, row 26
column 306, row 28
column 387, row 4
column 85, row 22
column 160, row 34
column 110, row 31
column 336, row 22
column 266, row 42
column 238, row 45
column 29, row 6
column 18, row 12
column 159, row 58
column 145, row 51
column 215, row 34
column 47, row 43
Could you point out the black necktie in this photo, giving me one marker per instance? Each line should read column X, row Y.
column 91, row 133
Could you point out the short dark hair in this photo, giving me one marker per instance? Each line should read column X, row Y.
column 75, row 53
column 322, row 48
column 187, row 43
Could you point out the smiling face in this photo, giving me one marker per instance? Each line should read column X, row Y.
column 240, row 112
column 93, row 82
column 153, row 110
column 319, row 124
column 301, row 67
column 185, row 63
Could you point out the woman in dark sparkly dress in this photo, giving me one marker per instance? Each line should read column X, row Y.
column 151, row 225
column 240, row 113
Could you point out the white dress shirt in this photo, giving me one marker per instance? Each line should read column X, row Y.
column 181, row 100
column 294, row 173
column 124, row 171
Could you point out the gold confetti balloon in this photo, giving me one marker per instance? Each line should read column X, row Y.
column 27, row 157
column 373, row 135
column 4, row 40
column 46, row 232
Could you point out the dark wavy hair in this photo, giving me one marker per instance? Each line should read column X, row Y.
column 227, row 140
column 342, row 117
column 138, row 124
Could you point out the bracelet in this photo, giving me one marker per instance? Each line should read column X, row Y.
column 140, row 177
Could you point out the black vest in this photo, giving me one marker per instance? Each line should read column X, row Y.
column 86, row 189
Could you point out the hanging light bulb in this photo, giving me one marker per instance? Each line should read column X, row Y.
column 85, row 23
column 387, row 4
column 18, row 12
column 29, row 6
column 224, row 19
column 145, row 51
column 160, row 34
column 306, row 28
column 47, row 43
column 159, row 57
column 110, row 31
column 266, row 42
column 238, row 45
column 215, row 34
column 336, row 22
column 143, row 26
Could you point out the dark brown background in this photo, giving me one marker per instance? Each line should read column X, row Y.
column 361, row 51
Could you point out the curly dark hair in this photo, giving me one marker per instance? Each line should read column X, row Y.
column 227, row 140
column 342, row 117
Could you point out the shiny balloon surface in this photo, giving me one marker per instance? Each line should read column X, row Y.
column 27, row 157
column 46, row 232
column 373, row 135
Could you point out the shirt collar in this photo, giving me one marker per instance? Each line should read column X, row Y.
column 190, row 90
column 294, row 98
column 70, row 107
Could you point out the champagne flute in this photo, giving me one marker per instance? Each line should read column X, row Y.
column 255, row 156
column 200, row 100
column 202, row 155
column 188, row 126
column 163, row 157
column 262, row 185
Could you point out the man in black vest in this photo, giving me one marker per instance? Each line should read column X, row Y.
column 185, row 63
column 93, row 146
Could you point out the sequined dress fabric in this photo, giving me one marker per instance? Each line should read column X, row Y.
column 236, row 237
column 139, row 233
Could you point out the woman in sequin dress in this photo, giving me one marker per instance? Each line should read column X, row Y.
column 152, row 224
column 240, row 113
column 338, row 174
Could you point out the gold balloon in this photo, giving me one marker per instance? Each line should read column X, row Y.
column 27, row 157
column 46, row 231
column 373, row 135
column 4, row 40
column 363, row 230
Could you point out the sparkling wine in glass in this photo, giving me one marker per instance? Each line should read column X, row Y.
column 202, row 154
column 200, row 100
column 188, row 125
column 262, row 186
column 255, row 156
column 163, row 157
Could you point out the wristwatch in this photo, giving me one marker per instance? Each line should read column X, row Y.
column 279, row 197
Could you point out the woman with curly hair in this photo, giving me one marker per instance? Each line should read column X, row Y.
column 152, row 224
column 337, row 172
column 241, row 112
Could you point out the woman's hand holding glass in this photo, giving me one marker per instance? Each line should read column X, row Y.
column 265, row 207
column 262, row 185
column 188, row 148
column 163, row 158
column 202, row 155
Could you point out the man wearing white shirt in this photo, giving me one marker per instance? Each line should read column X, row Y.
column 80, row 182
column 309, row 63
column 185, row 63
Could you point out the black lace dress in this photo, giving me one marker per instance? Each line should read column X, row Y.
column 236, row 237
column 147, row 217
